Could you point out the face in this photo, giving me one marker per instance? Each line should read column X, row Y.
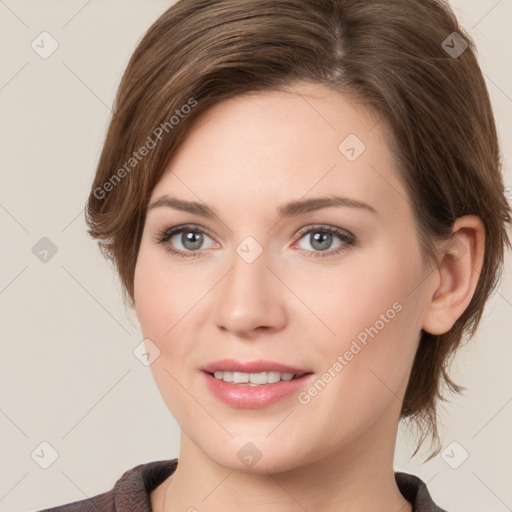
column 332, row 292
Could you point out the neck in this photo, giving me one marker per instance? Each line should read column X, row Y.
column 357, row 477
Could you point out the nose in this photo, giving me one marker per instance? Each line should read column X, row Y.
column 250, row 298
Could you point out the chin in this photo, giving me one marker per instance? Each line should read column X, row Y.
column 256, row 458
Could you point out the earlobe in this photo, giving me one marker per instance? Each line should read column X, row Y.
column 456, row 276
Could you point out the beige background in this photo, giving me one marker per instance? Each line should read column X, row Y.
column 68, row 376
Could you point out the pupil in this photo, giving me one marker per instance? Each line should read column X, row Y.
column 323, row 238
column 189, row 241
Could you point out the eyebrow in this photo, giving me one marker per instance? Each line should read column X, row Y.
column 291, row 209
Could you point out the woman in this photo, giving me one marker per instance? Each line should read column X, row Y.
column 304, row 203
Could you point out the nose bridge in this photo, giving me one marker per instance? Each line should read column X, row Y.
column 248, row 281
column 250, row 296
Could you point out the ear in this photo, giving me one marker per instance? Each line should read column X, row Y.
column 454, row 281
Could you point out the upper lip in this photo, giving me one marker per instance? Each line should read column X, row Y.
column 260, row 365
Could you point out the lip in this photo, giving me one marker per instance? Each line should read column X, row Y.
column 260, row 365
column 242, row 396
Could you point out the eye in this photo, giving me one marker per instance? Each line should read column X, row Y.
column 321, row 237
column 190, row 237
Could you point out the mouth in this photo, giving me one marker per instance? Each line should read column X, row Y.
column 254, row 384
column 258, row 373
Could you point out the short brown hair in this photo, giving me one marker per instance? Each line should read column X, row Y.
column 393, row 55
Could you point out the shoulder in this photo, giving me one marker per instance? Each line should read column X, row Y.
column 129, row 493
column 415, row 490
column 100, row 503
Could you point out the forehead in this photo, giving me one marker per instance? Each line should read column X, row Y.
column 281, row 145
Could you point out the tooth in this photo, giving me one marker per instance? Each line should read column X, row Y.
column 253, row 379
column 258, row 378
column 240, row 377
column 273, row 377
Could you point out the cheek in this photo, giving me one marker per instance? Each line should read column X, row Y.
column 156, row 293
column 159, row 309
column 166, row 304
column 377, row 318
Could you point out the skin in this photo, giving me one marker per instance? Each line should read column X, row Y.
column 245, row 157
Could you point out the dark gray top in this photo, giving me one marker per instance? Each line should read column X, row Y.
column 131, row 493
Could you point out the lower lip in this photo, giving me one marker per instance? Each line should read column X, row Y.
column 243, row 396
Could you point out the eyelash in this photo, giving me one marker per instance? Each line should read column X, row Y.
column 347, row 238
